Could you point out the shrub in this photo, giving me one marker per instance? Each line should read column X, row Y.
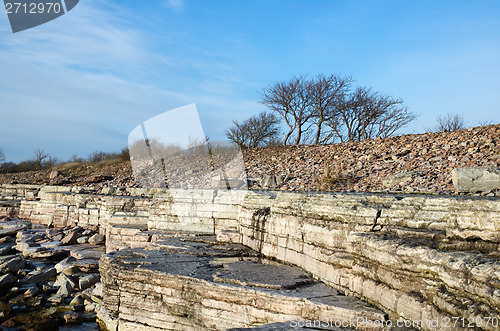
column 334, row 178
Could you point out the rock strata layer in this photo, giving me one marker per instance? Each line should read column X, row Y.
column 193, row 285
column 416, row 257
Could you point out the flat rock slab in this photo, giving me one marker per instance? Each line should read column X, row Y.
column 87, row 265
column 88, row 252
column 39, row 276
column 43, row 253
column 11, row 263
column 12, row 230
column 202, row 247
column 208, row 286
column 250, row 273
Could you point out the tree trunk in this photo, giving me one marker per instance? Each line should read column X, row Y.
column 299, row 133
column 287, row 137
column 318, row 134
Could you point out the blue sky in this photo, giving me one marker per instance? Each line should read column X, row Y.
column 82, row 82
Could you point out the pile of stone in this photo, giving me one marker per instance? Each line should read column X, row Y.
column 411, row 163
column 414, row 163
column 48, row 277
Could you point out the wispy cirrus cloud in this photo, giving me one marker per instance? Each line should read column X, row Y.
column 176, row 5
column 85, row 80
column 73, row 82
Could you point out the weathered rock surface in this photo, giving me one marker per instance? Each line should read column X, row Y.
column 39, row 276
column 252, row 273
column 96, row 239
column 88, row 281
column 70, row 238
column 387, row 249
column 417, row 257
column 53, row 174
column 476, row 179
column 11, row 263
column 401, row 178
column 6, row 280
column 11, row 230
column 192, row 298
column 66, row 285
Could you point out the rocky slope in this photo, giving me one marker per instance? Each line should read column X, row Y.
column 425, row 160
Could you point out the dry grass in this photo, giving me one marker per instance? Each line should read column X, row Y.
column 106, row 163
column 335, row 177
column 68, row 166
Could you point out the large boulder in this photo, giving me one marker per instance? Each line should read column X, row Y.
column 476, row 179
column 54, row 174
column 97, row 239
column 269, row 181
column 400, row 178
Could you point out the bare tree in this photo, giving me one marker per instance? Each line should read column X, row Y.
column 485, row 122
column 326, row 100
column 258, row 130
column 238, row 134
column 262, row 128
column 39, row 157
column 449, row 122
column 42, row 160
column 367, row 115
column 291, row 100
column 326, row 93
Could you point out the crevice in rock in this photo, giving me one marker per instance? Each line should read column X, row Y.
column 375, row 222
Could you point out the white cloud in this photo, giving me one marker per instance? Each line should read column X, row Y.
column 71, row 82
column 176, row 5
column 84, row 80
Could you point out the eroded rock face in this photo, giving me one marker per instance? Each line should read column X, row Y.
column 198, row 285
column 418, row 257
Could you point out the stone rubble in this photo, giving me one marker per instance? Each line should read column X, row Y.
column 421, row 163
column 42, row 284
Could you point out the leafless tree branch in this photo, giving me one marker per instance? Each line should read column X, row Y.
column 257, row 131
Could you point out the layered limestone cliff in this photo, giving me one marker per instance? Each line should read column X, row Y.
column 417, row 257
